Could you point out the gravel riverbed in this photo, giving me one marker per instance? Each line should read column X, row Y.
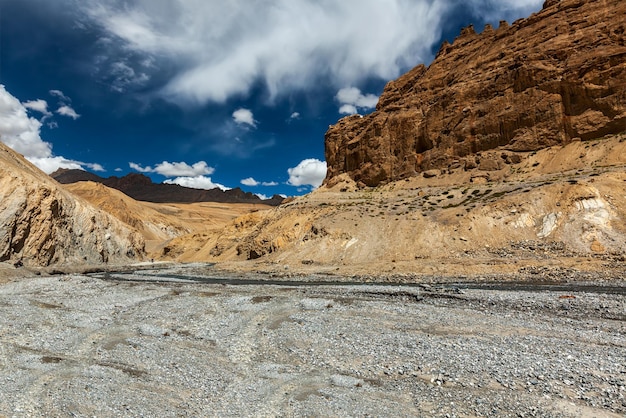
column 78, row 345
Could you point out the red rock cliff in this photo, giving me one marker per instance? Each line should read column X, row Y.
column 545, row 80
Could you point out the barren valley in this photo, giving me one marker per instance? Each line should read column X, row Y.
column 189, row 341
column 465, row 257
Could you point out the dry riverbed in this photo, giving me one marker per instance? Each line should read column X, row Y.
column 76, row 345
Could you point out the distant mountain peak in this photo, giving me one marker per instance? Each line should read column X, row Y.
column 140, row 187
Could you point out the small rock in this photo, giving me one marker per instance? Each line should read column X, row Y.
column 346, row 381
column 431, row 173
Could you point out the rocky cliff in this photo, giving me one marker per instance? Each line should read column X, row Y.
column 41, row 224
column 557, row 76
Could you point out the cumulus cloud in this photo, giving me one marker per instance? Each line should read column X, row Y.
column 60, row 95
column 197, row 182
column 23, row 134
column 295, row 115
column 244, row 117
column 215, row 50
column 351, row 100
column 309, row 172
column 66, row 110
column 180, row 169
column 251, row 182
column 38, row 105
column 95, row 167
column 18, row 130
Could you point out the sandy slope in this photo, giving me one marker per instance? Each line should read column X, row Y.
column 42, row 224
column 161, row 222
column 562, row 207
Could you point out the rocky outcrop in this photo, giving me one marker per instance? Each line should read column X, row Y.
column 42, row 224
column 556, row 76
column 141, row 187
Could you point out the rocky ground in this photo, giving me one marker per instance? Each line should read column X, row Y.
column 154, row 343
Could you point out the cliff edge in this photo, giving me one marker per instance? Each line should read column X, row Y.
column 554, row 77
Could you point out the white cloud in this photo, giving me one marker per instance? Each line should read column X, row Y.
column 95, row 167
column 22, row 133
column 224, row 48
column 295, row 115
column 351, row 100
column 262, row 196
column 38, row 105
column 51, row 164
column 18, row 130
column 124, row 76
column 59, row 94
column 348, row 109
column 244, row 117
column 66, row 110
column 504, row 9
column 309, row 172
column 197, row 182
column 250, row 182
column 215, row 50
column 180, row 169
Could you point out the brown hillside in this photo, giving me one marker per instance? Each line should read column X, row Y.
column 506, row 154
column 41, row 224
column 161, row 222
column 542, row 81
column 561, row 208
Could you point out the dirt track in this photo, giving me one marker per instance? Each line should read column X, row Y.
column 82, row 346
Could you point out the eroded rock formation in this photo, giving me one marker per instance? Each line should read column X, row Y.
column 41, row 224
column 556, row 76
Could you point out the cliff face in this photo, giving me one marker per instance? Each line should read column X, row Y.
column 556, row 76
column 42, row 224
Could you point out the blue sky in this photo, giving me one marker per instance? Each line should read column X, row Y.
column 208, row 93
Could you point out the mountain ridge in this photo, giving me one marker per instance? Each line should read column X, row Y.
column 140, row 187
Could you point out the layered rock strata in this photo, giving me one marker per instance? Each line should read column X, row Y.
column 41, row 224
column 557, row 76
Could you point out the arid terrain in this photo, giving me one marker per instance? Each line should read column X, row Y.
column 561, row 207
column 177, row 342
column 465, row 257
